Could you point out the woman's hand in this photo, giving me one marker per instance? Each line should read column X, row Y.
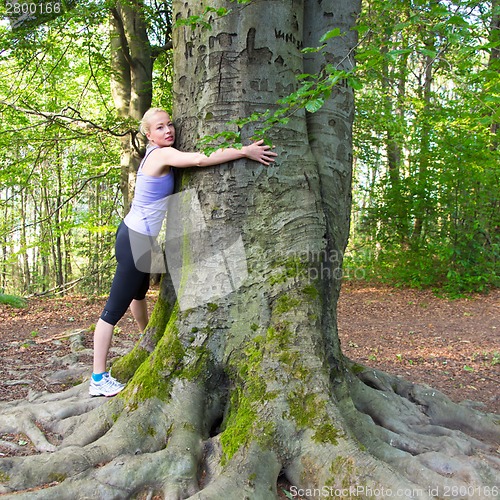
column 258, row 151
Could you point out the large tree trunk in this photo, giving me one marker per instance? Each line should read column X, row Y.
column 228, row 394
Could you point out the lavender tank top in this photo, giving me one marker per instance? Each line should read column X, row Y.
column 150, row 200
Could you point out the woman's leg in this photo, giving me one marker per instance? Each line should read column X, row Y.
column 139, row 310
column 102, row 341
column 128, row 284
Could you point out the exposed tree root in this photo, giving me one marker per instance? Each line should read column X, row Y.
column 165, row 448
column 137, row 432
column 48, row 411
column 417, row 440
column 419, row 431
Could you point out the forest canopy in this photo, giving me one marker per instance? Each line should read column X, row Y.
column 426, row 198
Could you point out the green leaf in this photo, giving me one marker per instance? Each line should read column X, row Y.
column 314, row 105
column 330, row 34
column 458, row 21
column 308, row 50
column 428, row 52
column 354, row 83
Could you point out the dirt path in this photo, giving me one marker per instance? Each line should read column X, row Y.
column 452, row 345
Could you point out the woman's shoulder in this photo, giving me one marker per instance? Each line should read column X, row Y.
column 157, row 164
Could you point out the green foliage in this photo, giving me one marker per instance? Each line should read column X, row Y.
column 426, row 204
column 59, row 181
column 12, row 300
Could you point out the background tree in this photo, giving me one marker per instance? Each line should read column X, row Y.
column 225, row 396
column 54, row 151
column 133, row 52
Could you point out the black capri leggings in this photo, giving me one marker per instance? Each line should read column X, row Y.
column 129, row 283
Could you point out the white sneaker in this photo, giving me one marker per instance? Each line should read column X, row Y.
column 107, row 386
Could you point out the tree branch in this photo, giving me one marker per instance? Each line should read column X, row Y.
column 156, row 50
column 62, row 117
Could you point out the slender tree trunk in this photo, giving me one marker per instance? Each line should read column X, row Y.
column 56, row 221
column 394, row 90
column 23, row 241
column 494, row 60
column 423, row 157
column 131, row 82
column 47, row 242
column 424, row 153
column 5, row 249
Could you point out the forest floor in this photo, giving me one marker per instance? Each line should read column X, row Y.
column 451, row 345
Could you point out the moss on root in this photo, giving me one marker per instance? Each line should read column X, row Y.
column 154, row 372
column 153, row 377
column 125, row 367
column 342, row 467
column 285, row 303
column 197, row 361
column 309, row 411
column 161, row 316
column 243, row 424
column 56, row 477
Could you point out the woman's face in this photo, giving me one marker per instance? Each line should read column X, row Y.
column 161, row 130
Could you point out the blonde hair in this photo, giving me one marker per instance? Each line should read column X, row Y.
column 145, row 122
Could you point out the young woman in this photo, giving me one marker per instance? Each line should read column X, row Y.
column 155, row 181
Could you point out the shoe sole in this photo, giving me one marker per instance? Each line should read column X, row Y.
column 104, row 395
column 98, row 393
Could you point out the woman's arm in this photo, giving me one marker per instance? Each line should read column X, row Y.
column 171, row 157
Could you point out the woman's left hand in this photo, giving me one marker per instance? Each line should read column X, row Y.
column 258, row 151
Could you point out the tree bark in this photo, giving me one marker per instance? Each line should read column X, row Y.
column 423, row 159
column 394, row 89
column 494, row 59
column 131, row 82
column 226, row 395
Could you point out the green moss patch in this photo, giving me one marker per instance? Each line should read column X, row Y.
column 309, row 411
column 125, row 367
column 243, row 424
column 153, row 377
